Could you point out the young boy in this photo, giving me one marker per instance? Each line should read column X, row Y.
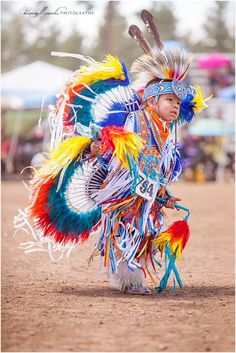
column 162, row 110
column 114, row 157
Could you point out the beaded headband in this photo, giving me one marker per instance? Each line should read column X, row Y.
column 174, row 86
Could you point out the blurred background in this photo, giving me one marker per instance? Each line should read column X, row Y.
column 31, row 77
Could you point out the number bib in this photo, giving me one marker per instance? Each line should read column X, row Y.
column 146, row 187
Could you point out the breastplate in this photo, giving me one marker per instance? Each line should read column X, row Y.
column 148, row 160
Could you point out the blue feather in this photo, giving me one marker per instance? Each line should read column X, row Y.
column 117, row 118
column 61, row 216
column 126, row 82
column 84, row 114
column 178, row 166
column 186, row 109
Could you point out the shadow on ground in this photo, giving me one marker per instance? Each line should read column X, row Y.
column 186, row 293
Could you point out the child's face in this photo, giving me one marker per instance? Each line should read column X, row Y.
column 168, row 106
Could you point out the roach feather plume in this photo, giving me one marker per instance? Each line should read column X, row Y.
column 149, row 23
column 137, row 35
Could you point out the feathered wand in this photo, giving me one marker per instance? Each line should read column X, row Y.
column 172, row 241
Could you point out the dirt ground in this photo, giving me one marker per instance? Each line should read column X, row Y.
column 67, row 307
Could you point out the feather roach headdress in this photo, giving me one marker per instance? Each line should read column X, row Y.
column 157, row 63
column 161, row 65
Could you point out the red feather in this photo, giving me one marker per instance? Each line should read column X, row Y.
column 39, row 211
column 106, row 136
column 179, row 230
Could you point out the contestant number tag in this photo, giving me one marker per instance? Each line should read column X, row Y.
column 146, row 187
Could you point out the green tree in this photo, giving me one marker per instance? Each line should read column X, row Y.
column 12, row 33
column 163, row 13
column 26, row 39
column 218, row 35
column 71, row 44
column 111, row 35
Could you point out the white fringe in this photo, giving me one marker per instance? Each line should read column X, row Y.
column 125, row 278
column 40, row 243
column 56, row 124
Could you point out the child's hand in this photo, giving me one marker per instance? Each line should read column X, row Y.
column 171, row 201
column 95, row 148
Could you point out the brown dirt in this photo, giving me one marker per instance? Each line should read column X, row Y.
column 64, row 306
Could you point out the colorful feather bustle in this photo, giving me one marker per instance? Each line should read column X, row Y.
column 176, row 237
column 124, row 144
column 55, row 216
column 87, row 84
column 51, row 206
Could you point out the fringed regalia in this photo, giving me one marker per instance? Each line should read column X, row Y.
column 117, row 196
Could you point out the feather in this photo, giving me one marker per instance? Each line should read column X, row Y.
column 111, row 67
column 186, row 109
column 123, row 144
column 80, row 94
column 199, row 101
column 148, row 21
column 137, row 35
column 163, row 65
column 176, row 237
column 157, row 63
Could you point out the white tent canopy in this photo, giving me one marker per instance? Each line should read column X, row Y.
column 27, row 86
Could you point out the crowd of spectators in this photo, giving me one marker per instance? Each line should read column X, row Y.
column 15, row 158
column 201, row 156
column 220, row 79
column 204, row 156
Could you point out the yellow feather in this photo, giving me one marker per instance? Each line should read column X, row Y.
column 166, row 72
column 161, row 241
column 176, row 245
column 111, row 67
column 126, row 144
column 200, row 100
column 165, row 238
column 63, row 155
